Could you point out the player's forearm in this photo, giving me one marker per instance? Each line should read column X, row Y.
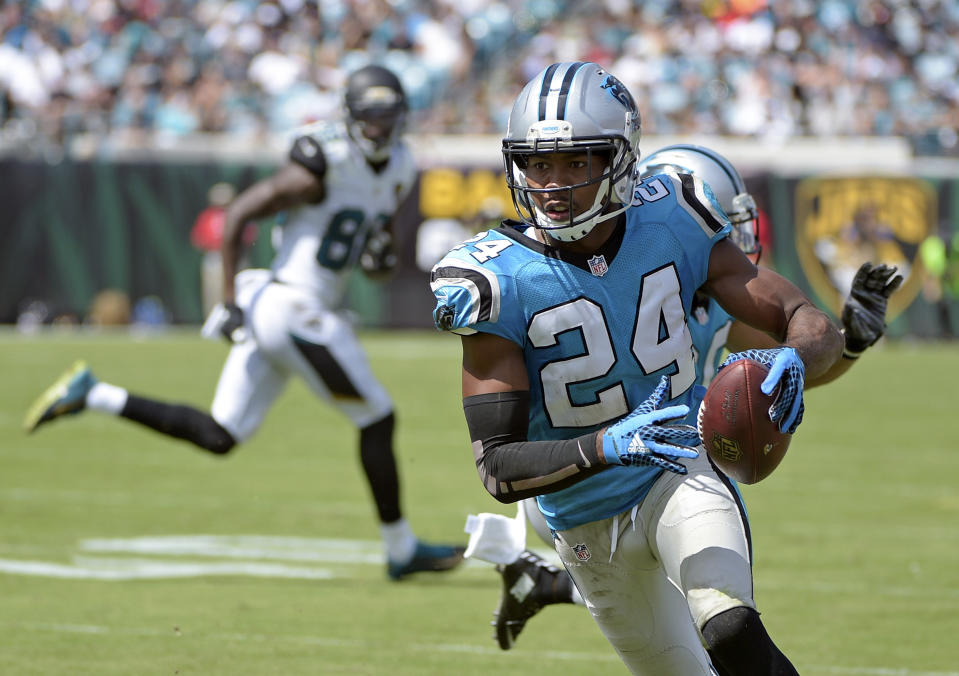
column 816, row 338
column 253, row 203
column 835, row 371
column 512, row 468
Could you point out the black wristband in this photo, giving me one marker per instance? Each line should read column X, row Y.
column 847, row 351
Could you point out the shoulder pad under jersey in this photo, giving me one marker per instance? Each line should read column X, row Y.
column 466, row 283
column 661, row 194
column 307, row 152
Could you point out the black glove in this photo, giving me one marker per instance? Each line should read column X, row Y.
column 232, row 326
column 864, row 314
column 378, row 255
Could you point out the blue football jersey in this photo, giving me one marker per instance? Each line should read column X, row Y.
column 709, row 327
column 598, row 332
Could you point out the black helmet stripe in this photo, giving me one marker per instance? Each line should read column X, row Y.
column 564, row 90
column 544, row 90
column 546, row 97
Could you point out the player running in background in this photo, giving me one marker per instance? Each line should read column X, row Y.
column 578, row 371
column 529, row 583
column 340, row 188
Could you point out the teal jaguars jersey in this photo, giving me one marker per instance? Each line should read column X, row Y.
column 709, row 328
column 597, row 332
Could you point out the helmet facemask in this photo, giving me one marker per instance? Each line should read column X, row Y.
column 387, row 125
column 744, row 217
column 612, row 152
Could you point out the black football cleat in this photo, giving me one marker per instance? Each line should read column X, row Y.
column 524, row 582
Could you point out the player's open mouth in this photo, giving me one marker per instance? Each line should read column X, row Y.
column 556, row 210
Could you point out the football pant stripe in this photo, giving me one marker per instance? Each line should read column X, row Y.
column 740, row 505
column 327, row 368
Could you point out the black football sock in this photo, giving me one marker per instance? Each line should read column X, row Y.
column 739, row 645
column 379, row 464
column 181, row 422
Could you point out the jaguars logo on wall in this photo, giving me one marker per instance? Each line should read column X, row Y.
column 843, row 222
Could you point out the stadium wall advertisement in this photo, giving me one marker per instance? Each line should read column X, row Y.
column 74, row 229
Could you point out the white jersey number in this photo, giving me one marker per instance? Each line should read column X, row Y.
column 341, row 237
column 660, row 340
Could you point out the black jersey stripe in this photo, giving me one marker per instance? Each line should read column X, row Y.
column 695, row 201
column 564, row 89
column 544, row 89
column 483, row 287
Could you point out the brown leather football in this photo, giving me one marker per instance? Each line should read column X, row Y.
column 735, row 427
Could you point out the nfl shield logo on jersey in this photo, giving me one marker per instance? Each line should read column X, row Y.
column 582, row 551
column 597, row 265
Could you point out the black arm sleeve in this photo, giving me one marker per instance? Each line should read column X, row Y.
column 513, row 468
column 309, row 154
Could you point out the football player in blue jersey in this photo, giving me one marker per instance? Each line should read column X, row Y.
column 529, row 583
column 339, row 190
column 578, row 372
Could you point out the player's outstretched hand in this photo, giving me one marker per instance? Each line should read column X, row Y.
column 652, row 435
column 864, row 314
column 787, row 370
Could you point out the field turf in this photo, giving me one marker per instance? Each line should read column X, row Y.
column 123, row 552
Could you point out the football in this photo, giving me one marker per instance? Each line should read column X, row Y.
column 734, row 423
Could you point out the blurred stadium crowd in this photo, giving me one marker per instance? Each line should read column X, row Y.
column 147, row 72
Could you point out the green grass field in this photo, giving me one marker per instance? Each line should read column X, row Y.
column 123, row 552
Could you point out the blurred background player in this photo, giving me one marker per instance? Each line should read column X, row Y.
column 528, row 581
column 339, row 189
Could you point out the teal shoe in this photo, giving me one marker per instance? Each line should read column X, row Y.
column 427, row 558
column 67, row 396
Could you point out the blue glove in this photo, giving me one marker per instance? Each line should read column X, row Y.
column 650, row 436
column 786, row 370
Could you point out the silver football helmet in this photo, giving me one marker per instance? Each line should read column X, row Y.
column 722, row 178
column 573, row 107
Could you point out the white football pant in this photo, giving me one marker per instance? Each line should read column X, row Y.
column 290, row 332
column 682, row 551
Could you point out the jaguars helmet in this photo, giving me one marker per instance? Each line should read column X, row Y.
column 376, row 110
column 573, row 107
column 722, row 178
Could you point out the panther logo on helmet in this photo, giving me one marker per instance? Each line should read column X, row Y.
column 619, row 92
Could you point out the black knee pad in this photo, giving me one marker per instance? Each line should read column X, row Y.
column 739, row 645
